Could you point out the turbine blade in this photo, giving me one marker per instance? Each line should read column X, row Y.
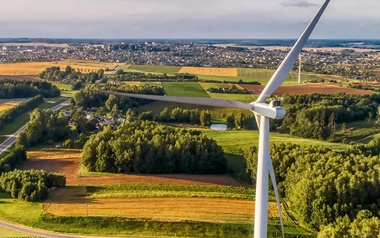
column 258, row 118
column 274, row 183
column 282, row 72
column 213, row 102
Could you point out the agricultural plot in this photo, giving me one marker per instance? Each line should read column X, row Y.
column 248, row 98
column 162, row 209
column 34, row 68
column 266, row 74
column 6, row 104
column 185, row 89
column 230, row 72
column 306, row 89
column 158, row 69
column 67, row 161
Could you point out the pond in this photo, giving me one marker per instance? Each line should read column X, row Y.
column 218, row 127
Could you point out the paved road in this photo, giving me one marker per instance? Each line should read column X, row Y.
column 12, row 138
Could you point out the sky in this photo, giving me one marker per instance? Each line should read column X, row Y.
column 343, row 19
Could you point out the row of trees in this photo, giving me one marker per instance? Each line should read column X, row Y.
column 150, row 147
column 322, row 184
column 120, row 75
column 9, row 115
column 30, row 185
column 88, row 97
column 25, row 89
column 14, row 158
column 231, row 89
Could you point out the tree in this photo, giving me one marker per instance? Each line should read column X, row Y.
column 230, row 121
column 205, row 118
column 112, row 100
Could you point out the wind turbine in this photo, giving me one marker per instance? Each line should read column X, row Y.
column 263, row 113
column 299, row 68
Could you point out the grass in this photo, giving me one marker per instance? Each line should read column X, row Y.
column 34, row 68
column 248, row 98
column 5, row 232
column 66, row 90
column 153, row 69
column 169, row 190
column 24, row 118
column 186, row 89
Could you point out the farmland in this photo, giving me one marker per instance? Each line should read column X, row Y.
column 67, row 161
column 6, row 104
column 153, row 69
column 34, row 68
column 185, row 89
column 305, row 89
column 230, row 72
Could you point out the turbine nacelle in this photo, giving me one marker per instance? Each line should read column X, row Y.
column 271, row 110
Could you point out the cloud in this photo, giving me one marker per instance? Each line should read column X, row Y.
column 298, row 4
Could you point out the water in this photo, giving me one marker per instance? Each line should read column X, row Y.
column 218, row 127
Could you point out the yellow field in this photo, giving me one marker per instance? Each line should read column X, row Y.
column 72, row 203
column 230, row 72
column 34, row 68
column 9, row 104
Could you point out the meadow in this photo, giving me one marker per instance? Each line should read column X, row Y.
column 5, row 232
column 34, row 68
column 185, row 89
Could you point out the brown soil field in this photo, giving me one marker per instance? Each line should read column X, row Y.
column 306, row 89
column 63, row 202
column 67, row 161
column 9, row 104
column 20, row 77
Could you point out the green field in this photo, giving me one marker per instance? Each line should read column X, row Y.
column 238, row 97
column 158, row 69
column 24, row 118
column 66, row 90
column 185, row 89
column 267, row 74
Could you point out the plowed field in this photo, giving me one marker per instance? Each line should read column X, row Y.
column 67, row 161
column 306, row 89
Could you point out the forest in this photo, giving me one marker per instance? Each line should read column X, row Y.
column 25, row 89
column 315, row 115
column 30, row 185
column 121, row 75
column 47, row 127
column 325, row 187
column 149, row 147
column 72, row 76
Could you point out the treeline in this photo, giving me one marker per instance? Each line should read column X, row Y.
column 30, row 185
column 192, row 116
column 363, row 87
column 25, row 89
column 88, row 98
column 231, row 89
column 47, row 127
column 15, row 157
column 71, row 75
column 120, row 75
column 149, row 147
column 9, row 115
column 322, row 184
column 315, row 115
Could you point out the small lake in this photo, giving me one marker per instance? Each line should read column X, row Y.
column 218, row 127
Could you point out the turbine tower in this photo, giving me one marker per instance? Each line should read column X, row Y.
column 263, row 113
column 299, row 69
